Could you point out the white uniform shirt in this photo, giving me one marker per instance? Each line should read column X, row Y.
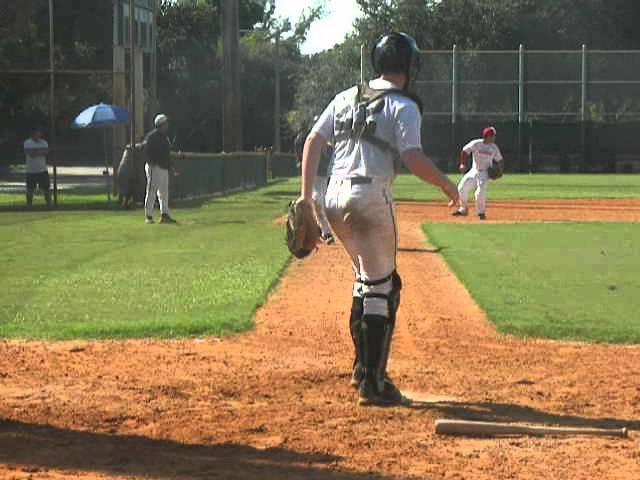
column 399, row 123
column 35, row 163
column 483, row 154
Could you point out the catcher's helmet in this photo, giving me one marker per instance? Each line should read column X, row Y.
column 396, row 53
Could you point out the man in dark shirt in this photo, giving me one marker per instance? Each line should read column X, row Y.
column 158, row 149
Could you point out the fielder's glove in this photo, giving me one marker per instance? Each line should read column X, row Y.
column 303, row 231
column 495, row 170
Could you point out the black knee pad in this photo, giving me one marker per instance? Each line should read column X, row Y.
column 394, row 296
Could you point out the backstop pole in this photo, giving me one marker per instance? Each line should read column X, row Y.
column 52, row 107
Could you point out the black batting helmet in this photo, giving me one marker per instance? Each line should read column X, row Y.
column 396, row 52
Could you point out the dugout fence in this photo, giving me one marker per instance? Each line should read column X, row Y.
column 201, row 174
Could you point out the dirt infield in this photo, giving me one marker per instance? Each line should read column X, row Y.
column 275, row 403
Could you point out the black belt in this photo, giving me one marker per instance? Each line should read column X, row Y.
column 361, row 180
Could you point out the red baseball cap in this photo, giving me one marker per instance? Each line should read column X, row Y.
column 489, row 132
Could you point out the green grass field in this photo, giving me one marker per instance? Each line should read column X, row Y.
column 561, row 281
column 72, row 200
column 410, row 188
column 88, row 270
column 105, row 274
column 533, row 187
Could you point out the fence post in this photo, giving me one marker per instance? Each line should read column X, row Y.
column 268, row 170
column 521, row 105
column 454, row 84
column 52, row 108
column 454, row 97
column 583, row 83
column 277, row 141
column 584, row 80
column 362, row 63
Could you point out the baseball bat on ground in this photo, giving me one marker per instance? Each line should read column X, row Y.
column 491, row 429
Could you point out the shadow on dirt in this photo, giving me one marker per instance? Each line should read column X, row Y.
column 509, row 413
column 35, row 448
column 422, row 250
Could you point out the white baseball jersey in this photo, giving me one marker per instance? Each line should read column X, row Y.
column 483, row 154
column 398, row 123
column 35, row 163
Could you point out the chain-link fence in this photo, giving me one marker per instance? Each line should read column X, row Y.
column 554, row 110
column 58, row 58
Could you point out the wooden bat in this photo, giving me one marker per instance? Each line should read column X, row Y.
column 491, row 429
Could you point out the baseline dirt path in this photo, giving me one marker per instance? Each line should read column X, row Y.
column 275, row 403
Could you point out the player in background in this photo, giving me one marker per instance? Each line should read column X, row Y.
column 484, row 152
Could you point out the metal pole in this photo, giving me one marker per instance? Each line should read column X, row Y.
column 521, row 85
column 106, row 164
column 583, row 108
column 584, row 82
column 454, row 84
column 521, row 107
column 132, row 76
column 277, row 137
column 154, row 55
column 52, row 108
column 454, row 100
column 362, row 63
column 530, row 147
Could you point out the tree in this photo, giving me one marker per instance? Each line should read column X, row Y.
column 190, row 69
column 83, row 40
column 320, row 77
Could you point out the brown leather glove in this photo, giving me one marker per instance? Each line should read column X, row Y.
column 303, row 232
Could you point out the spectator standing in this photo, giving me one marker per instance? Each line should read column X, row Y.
column 36, row 150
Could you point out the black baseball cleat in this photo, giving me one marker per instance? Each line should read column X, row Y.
column 482, row 216
column 369, row 396
column 149, row 220
column 357, row 376
column 458, row 213
column 167, row 219
column 329, row 239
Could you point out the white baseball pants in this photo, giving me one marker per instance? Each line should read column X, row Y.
column 319, row 194
column 478, row 180
column 364, row 220
column 157, row 184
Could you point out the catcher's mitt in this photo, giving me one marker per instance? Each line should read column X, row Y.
column 303, row 231
column 495, row 170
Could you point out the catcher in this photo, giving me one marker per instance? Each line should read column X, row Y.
column 488, row 164
column 373, row 127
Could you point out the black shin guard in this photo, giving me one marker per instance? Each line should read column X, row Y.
column 385, row 350
column 394, row 304
column 371, row 344
column 357, row 309
column 375, row 333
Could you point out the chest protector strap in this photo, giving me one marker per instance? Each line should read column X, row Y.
column 362, row 125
